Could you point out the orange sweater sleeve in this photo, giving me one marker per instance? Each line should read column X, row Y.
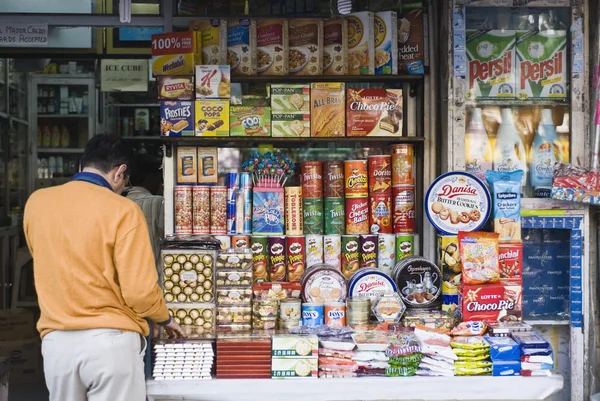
column 136, row 270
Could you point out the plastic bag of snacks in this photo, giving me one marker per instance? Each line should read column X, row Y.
column 576, row 184
column 479, row 256
column 469, row 343
column 506, row 188
column 469, row 329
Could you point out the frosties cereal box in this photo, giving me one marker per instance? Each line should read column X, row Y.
column 491, row 64
column 542, row 64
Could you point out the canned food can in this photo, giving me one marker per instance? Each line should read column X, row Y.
column 405, row 246
column 225, row 241
column 260, row 258
column 314, row 250
column 296, row 264
column 232, row 180
column 380, row 174
column 350, row 255
column 357, row 215
column 312, row 314
column 357, row 310
column 232, row 194
column 201, row 209
column 311, row 177
column 183, row 209
column 333, row 179
column 332, row 245
column 231, row 217
column 245, row 180
column 335, row 218
column 240, row 241
column 290, row 309
column 386, row 254
column 335, row 314
column 368, row 251
column 277, row 258
column 218, row 210
column 404, row 209
column 403, row 164
column 380, row 216
column 294, row 219
column 312, row 209
column 356, row 179
column 247, row 226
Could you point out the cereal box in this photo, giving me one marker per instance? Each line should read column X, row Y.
column 213, row 82
column 207, row 166
column 214, row 40
column 272, row 42
column 290, row 124
column 374, row 112
column 176, row 87
column 411, row 42
column 187, row 165
column 241, row 46
column 491, row 303
column 386, row 43
column 335, row 54
column 361, row 43
column 176, row 118
column 174, row 53
column 306, row 46
column 250, row 121
column 327, row 114
column 294, row 368
column 212, row 118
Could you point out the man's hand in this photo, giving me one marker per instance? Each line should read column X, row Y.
column 174, row 330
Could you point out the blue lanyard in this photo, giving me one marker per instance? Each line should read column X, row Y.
column 93, row 179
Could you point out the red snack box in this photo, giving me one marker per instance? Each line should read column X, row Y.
column 374, row 112
column 491, row 302
column 510, row 259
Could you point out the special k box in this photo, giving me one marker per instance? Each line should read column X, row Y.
column 491, row 302
column 374, row 112
column 213, row 82
column 174, row 53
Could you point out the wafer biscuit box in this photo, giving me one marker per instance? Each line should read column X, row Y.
column 212, row 117
column 386, row 43
column 176, row 118
column 213, row 33
column 175, row 53
column 361, row 43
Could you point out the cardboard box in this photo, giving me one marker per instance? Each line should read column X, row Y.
column 16, row 324
column 411, row 42
column 290, row 110
column 24, row 357
column 335, row 54
column 491, row 302
column 213, row 33
column 208, row 166
column 273, row 50
column 290, row 345
column 290, row 125
column 176, row 118
column 268, row 215
column 374, row 112
column 306, row 46
column 176, row 87
column 328, row 109
column 187, row 164
column 361, row 43
column 212, row 118
column 295, row 368
column 175, row 53
column 249, row 121
column 241, row 46
column 386, row 43
column 213, row 82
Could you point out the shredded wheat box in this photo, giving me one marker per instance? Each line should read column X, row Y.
column 328, row 117
column 386, row 43
column 214, row 40
column 335, row 53
column 272, row 56
column 411, row 42
column 241, row 46
column 361, row 43
column 306, row 46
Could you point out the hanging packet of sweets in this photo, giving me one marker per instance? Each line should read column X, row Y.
column 506, row 189
column 479, row 257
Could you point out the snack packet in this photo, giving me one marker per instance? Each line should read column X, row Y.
column 402, row 371
column 479, row 256
column 506, row 189
column 406, row 360
column 469, row 343
column 479, row 357
column 472, row 371
column 472, row 364
column 469, row 329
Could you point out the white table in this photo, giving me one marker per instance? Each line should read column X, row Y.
column 364, row 389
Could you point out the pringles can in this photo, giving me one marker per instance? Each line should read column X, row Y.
column 333, row 179
column 403, row 164
column 368, row 251
column 357, row 215
column 380, row 213
column 277, row 258
column 335, row 217
column 405, row 246
column 218, row 210
column 312, row 209
column 335, row 314
column 314, row 250
column 380, row 174
column 386, row 253
column 296, row 264
column 350, row 255
column 260, row 258
column 311, row 177
column 332, row 250
column 356, row 179
column 404, row 209
column 183, row 209
column 201, row 209
column 294, row 220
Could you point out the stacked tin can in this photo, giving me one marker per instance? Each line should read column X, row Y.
column 356, row 189
column 311, row 177
column 357, row 311
column 403, row 187
column 290, row 313
column 334, row 211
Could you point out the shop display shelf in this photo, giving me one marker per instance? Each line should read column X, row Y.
column 517, row 103
column 63, row 116
column 60, row 150
column 136, row 105
column 245, row 140
column 326, row 78
column 547, row 207
column 367, row 388
column 547, row 322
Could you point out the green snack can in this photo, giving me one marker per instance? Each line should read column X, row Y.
column 260, row 258
column 335, row 219
column 312, row 209
column 405, row 246
column 350, row 255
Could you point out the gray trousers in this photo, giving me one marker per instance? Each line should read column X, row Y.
column 94, row 365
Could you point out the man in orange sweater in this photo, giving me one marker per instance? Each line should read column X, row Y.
column 96, row 279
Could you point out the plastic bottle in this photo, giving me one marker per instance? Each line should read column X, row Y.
column 46, row 137
column 545, row 152
column 478, row 151
column 55, row 138
column 509, row 152
column 563, row 131
column 65, row 137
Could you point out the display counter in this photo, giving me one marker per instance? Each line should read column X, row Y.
column 402, row 388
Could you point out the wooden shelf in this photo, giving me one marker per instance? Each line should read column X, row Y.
column 296, row 141
column 60, row 150
column 326, row 78
column 63, row 116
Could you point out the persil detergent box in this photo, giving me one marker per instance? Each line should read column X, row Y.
column 491, row 64
column 542, row 64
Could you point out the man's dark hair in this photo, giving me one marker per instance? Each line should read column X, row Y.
column 146, row 165
column 105, row 152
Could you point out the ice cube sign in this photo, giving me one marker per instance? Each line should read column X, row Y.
column 542, row 64
column 490, row 56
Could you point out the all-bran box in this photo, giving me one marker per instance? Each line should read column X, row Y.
column 491, row 64
column 386, row 43
column 374, row 112
column 361, row 43
column 213, row 33
column 212, row 118
column 327, row 113
column 176, row 118
column 335, row 54
column 241, row 46
column 273, row 52
column 542, row 64
column 411, row 42
column 306, row 46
